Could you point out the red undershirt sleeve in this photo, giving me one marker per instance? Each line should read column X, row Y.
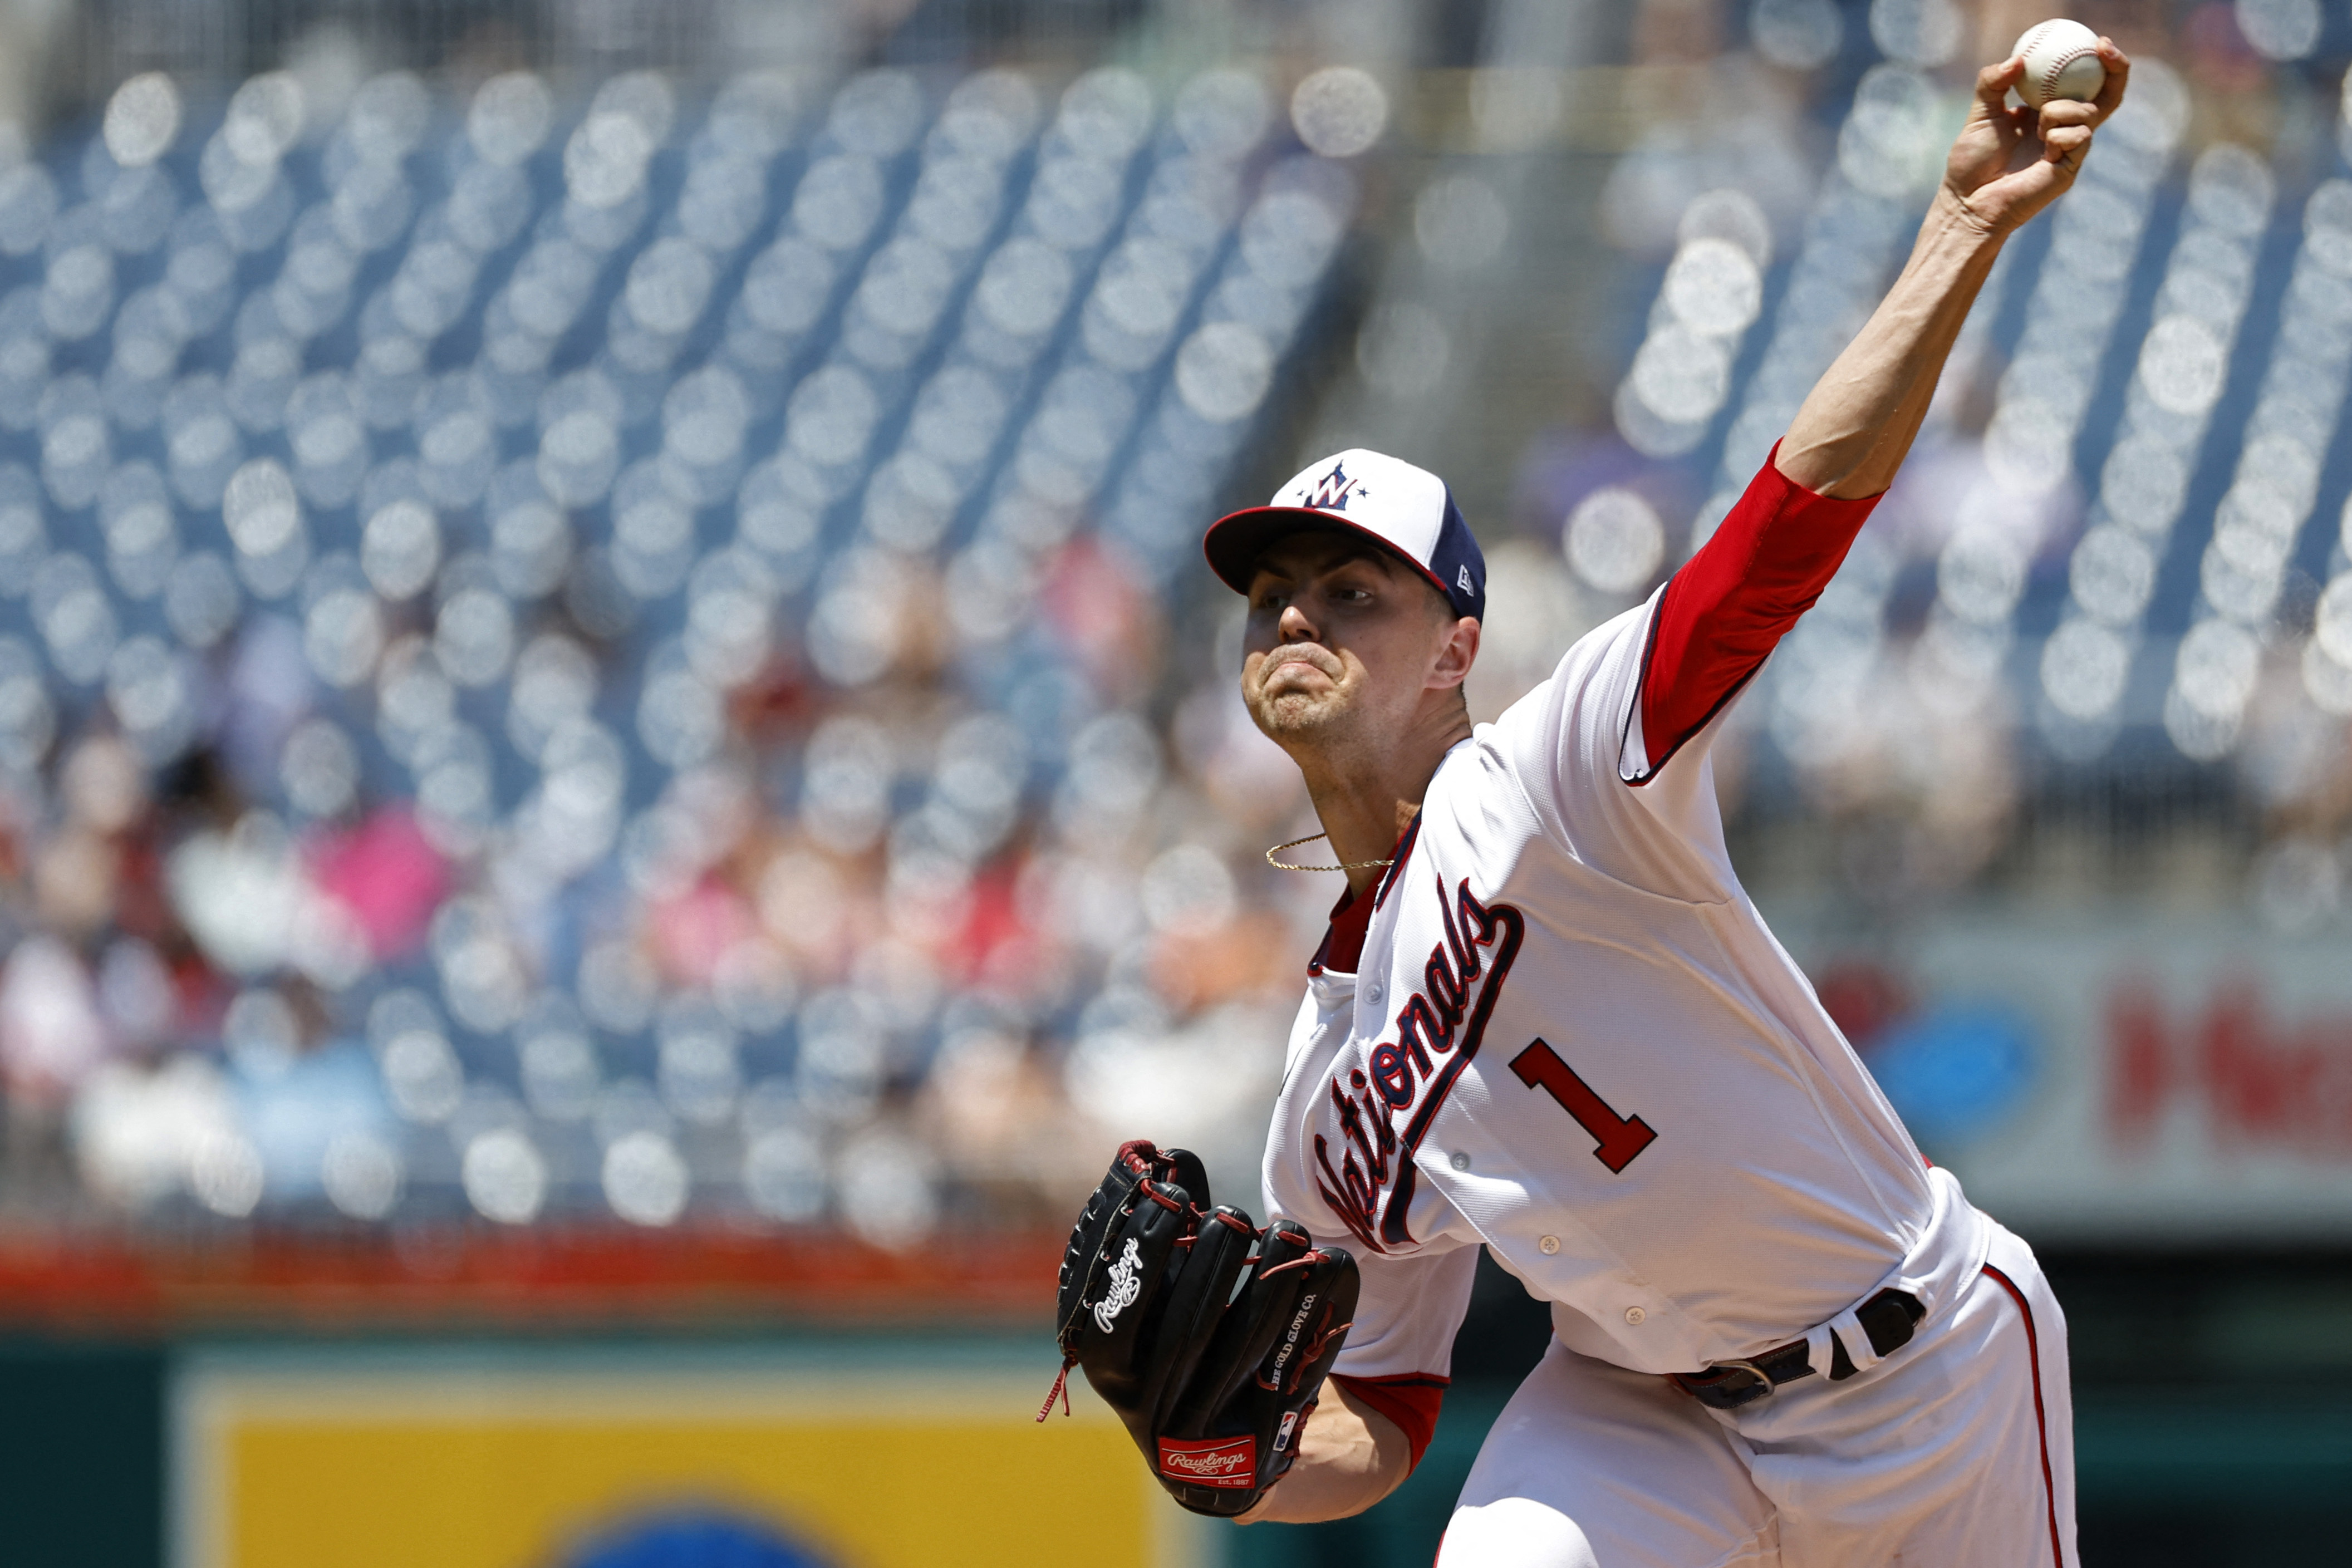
column 1409, row 1401
column 1722, row 613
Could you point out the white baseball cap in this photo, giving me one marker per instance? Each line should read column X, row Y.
column 1408, row 511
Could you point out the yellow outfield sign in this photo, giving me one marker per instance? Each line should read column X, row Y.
column 881, row 1455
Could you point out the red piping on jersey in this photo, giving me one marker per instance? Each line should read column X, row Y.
column 1401, row 853
column 1351, row 917
column 1728, row 607
column 2040, row 1419
column 1409, row 1401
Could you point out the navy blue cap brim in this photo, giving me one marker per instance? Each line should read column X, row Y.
column 1235, row 540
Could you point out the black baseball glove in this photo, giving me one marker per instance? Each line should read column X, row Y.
column 1213, row 1383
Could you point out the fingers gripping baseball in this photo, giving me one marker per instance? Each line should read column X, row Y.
column 1984, row 175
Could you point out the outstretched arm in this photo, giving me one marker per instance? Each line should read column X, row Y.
column 1730, row 604
column 1852, row 433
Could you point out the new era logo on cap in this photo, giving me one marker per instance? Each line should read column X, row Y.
column 1407, row 511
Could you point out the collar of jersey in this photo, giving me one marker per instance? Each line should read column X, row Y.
column 1351, row 917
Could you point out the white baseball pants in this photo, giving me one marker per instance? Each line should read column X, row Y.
column 1956, row 1451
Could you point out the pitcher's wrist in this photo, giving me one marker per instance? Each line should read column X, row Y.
column 1954, row 213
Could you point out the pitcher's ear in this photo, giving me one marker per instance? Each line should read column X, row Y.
column 1459, row 652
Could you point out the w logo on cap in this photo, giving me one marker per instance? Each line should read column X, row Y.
column 1331, row 491
column 1384, row 500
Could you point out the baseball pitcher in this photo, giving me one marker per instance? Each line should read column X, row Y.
column 1548, row 1021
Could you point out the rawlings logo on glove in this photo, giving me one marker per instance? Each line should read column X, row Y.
column 1232, row 1463
column 1211, row 1381
column 1124, row 1286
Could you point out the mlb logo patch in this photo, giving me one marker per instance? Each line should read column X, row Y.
column 1229, row 1462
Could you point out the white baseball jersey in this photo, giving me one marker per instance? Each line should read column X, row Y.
column 1571, row 1037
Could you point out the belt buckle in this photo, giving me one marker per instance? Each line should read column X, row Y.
column 1725, row 1395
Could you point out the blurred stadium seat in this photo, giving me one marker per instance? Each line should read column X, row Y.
column 482, row 699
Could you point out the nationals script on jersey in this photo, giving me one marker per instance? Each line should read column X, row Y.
column 1571, row 1037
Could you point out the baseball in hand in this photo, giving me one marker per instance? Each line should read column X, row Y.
column 2062, row 60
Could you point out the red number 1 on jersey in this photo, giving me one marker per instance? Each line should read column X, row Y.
column 1620, row 1137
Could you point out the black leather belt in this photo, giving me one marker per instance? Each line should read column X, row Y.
column 1888, row 1318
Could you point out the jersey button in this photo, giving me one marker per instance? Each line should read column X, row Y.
column 1459, row 1160
column 1547, row 1246
column 1373, row 991
column 1635, row 1315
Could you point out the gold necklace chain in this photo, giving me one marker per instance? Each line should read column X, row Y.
column 1293, row 843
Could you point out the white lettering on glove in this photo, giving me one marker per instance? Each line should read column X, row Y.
column 1124, row 1287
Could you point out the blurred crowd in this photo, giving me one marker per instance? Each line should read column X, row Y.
column 566, row 671
column 630, row 656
